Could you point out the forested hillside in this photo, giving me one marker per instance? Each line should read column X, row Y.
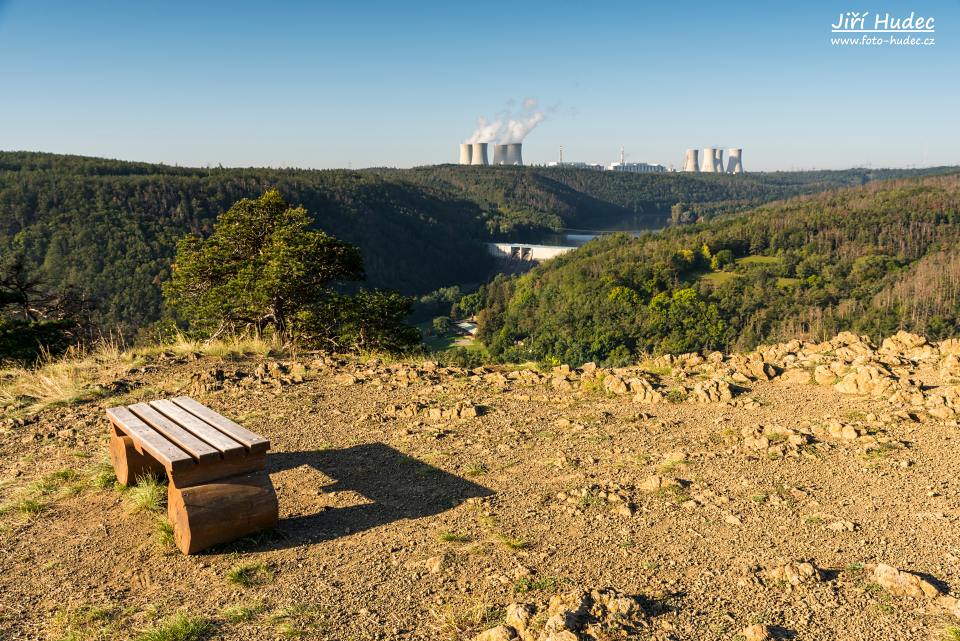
column 106, row 230
column 872, row 259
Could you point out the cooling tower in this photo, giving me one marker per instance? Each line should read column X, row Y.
column 478, row 155
column 465, row 153
column 513, row 154
column 719, row 164
column 500, row 155
column 734, row 166
column 690, row 161
column 709, row 165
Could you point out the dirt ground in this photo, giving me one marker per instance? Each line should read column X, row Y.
column 403, row 516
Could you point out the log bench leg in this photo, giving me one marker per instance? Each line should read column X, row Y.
column 221, row 511
column 128, row 463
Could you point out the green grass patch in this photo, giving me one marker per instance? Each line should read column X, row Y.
column 674, row 493
column 179, row 627
column 676, row 396
column 250, row 574
column 783, row 281
column 453, row 537
column 476, row 469
column 758, row 260
column 951, row 633
column 164, row 533
column 102, row 476
column 243, row 613
column 513, row 543
column 719, row 278
column 298, row 621
column 148, row 495
column 880, row 451
column 51, row 483
column 30, row 507
column 83, row 622
column 526, row 584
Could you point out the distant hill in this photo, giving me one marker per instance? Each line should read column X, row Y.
column 108, row 228
column 873, row 259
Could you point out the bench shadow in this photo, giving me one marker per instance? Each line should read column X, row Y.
column 398, row 487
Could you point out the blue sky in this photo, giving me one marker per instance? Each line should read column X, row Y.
column 323, row 84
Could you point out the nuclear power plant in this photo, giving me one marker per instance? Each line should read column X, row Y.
column 476, row 154
column 713, row 161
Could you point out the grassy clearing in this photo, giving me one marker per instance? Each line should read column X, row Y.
column 719, row 278
column 758, row 260
column 179, row 627
column 250, row 574
column 951, row 633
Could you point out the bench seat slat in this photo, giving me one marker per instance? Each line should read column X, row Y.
column 255, row 443
column 168, row 454
column 202, row 452
column 220, row 441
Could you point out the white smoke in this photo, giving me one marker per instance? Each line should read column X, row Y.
column 508, row 127
column 485, row 131
column 517, row 129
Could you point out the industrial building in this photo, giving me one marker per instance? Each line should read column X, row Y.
column 577, row 165
column 712, row 161
column 637, row 167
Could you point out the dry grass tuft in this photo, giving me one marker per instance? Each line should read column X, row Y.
column 179, row 627
column 458, row 622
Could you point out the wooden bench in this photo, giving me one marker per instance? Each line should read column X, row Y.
column 218, row 487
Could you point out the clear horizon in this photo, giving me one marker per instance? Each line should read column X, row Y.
column 307, row 85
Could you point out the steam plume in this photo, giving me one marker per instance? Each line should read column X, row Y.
column 508, row 127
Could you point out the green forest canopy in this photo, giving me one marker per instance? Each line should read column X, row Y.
column 872, row 259
column 108, row 229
